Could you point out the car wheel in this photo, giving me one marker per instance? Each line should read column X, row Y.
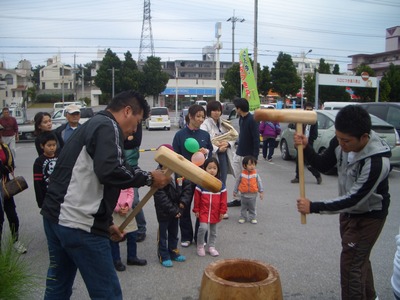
column 169, row 128
column 285, row 150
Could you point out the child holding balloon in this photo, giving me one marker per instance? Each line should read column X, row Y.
column 209, row 208
column 187, row 142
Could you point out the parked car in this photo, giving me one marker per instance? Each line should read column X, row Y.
column 202, row 103
column 61, row 105
column 59, row 117
column 228, row 110
column 158, row 119
column 336, row 105
column 182, row 117
column 326, row 131
column 387, row 111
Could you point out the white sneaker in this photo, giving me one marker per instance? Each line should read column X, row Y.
column 213, row 251
column 185, row 244
column 254, row 221
column 20, row 248
column 241, row 220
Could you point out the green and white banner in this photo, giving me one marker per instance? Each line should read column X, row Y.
column 250, row 91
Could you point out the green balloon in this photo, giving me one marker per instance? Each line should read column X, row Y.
column 191, row 145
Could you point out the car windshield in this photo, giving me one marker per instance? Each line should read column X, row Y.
column 159, row 111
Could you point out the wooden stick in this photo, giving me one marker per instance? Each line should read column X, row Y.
column 140, row 205
column 300, row 160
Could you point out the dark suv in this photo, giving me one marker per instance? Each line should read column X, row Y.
column 387, row 111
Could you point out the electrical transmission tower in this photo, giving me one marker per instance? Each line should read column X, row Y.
column 146, row 39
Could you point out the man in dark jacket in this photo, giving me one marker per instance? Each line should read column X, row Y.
column 249, row 139
column 311, row 131
column 82, row 194
column 362, row 160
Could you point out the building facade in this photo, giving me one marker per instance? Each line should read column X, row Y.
column 56, row 77
column 14, row 83
column 380, row 62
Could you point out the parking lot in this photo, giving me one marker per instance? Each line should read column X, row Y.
column 306, row 256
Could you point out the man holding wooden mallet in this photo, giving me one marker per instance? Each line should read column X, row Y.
column 362, row 160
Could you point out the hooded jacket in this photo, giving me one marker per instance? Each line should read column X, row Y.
column 210, row 205
column 363, row 178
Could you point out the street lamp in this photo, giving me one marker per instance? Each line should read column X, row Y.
column 234, row 19
column 302, row 77
column 218, row 47
column 176, row 93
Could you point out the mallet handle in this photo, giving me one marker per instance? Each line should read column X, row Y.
column 300, row 157
column 140, row 205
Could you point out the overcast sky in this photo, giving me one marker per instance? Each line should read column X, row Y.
column 333, row 29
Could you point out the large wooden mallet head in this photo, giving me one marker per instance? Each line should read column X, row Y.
column 299, row 117
column 286, row 116
column 180, row 165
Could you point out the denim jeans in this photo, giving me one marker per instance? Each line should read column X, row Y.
column 130, row 245
column 140, row 219
column 71, row 249
column 268, row 147
column 168, row 239
column 223, row 166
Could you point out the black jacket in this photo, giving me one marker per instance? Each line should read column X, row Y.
column 167, row 199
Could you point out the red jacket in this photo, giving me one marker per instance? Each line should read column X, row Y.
column 210, row 205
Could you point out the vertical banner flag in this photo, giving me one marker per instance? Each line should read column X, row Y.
column 250, row 91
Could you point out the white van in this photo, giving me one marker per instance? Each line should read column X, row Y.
column 61, row 105
column 202, row 103
column 337, row 105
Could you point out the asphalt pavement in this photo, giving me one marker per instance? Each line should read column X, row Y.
column 306, row 256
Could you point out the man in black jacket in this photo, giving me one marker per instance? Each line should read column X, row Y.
column 249, row 139
column 82, row 194
column 311, row 131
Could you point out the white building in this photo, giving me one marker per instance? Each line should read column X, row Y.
column 14, row 83
column 57, row 77
column 309, row 65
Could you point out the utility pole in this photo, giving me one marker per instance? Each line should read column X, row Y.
column 234, row 19
column 217, row 71
column 255, row 40
column 176, row 93
column 113, row 80
column 62, row 83
column 302, row 78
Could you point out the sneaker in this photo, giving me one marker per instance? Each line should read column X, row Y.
column 185, row 244
column 242, row 220
column 269, row 159
column 226, row 216
column 20, row 248
column 254, row 221
column 213, row 251
column 319, row 180
column 201, row 251
column 234, row 203
column 119, row 266
column 180, row 258
column 136, row 262
column 294, row 180
column 167, row 263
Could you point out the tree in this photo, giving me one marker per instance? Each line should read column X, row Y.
column 365, row 94
column 390, row 84
column 36, row 75
column 129, row 73
column 104, row 79
column 153, row 80
column 285, row 80
column 231, row 83
column 264, row 79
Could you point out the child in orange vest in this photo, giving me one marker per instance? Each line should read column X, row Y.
column 249, row 185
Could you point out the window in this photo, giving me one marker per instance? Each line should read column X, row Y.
column 9, row 79
column 55, row 85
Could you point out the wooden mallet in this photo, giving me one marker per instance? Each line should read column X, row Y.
column 174, row 162
column 299, row 117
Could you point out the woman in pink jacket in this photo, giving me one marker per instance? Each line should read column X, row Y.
column 210, row 209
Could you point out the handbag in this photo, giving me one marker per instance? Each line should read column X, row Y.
column 13, row 186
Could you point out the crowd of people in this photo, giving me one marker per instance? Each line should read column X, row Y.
column 86, row 181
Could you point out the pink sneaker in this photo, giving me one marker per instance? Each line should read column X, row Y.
column 213, row 251
column 201, row 251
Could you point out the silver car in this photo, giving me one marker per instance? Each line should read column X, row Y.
column 326, row 131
